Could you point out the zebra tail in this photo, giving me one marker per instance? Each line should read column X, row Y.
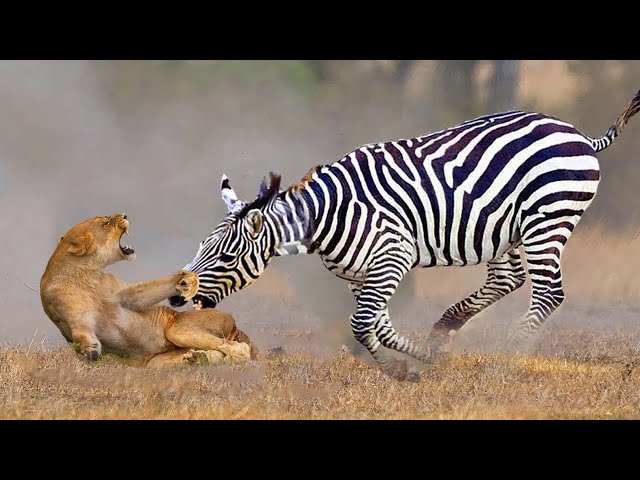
column 607, row 139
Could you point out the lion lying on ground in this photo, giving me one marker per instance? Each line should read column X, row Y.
column 104, row 314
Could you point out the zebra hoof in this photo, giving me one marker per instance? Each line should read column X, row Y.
column 439, row 356
column 413, row 376
column 438, row 348
column 439, row 335
column 396, row 369
column 520, row 342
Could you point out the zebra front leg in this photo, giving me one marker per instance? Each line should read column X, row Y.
column 505, row 275
column 382, row 327
column 373, row 329
column 389, row 338
column 371, row 324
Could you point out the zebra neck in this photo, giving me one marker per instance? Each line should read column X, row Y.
column 291, row 248
column 290, row 224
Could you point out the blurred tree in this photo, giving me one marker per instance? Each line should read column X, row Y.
column 402, row 70
column 319, row 69
column 455, row 82
column 503, row 86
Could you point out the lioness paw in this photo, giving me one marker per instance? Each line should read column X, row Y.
column 188, row 285
column 91, row 354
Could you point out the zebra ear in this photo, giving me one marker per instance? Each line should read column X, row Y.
column 229, row 196
column 254, row 222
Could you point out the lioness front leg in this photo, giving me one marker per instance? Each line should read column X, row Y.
column 143, row 295
column 90, row 346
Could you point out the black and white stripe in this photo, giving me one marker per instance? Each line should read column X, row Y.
column 469, row 194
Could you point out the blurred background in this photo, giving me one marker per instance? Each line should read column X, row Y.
column 153, row 138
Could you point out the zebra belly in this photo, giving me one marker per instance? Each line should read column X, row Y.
column 340, row 270
column 504, row 245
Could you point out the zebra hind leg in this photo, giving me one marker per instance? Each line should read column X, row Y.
column 505, row 275
column 543, row 252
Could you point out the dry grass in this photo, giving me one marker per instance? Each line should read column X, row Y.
column 575, row 376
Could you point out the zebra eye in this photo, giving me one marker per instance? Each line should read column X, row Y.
column 227, row 258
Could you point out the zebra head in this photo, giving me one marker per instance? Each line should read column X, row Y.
column 238, row 250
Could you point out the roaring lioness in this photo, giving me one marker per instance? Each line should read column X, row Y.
column 104, row 314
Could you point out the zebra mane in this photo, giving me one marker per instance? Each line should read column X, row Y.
column 265, row 194
column 308, row 177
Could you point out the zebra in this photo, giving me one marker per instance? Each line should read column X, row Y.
column 473, row 193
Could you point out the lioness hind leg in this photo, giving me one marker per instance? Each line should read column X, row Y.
column 168, row 359
column 185, row 356
column 182, row 334
column 210, row 329
column 229, row 352
column 201, row 329
column 203, row 357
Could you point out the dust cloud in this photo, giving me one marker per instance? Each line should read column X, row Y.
column 67, row 154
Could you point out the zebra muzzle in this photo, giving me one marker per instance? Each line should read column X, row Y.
column 177, row 301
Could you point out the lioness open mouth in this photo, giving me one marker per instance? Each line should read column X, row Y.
column 127, row 251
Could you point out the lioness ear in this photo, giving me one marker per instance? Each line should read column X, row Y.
column 83, row 245
column 229, row 196
column 254, row 222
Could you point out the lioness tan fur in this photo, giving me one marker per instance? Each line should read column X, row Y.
column 104, row 314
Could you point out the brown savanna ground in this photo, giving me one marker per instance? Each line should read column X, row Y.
column 601, row 380
column 584, row 365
